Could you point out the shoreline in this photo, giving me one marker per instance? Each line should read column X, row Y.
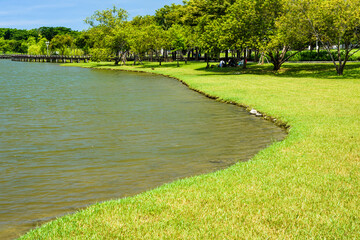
column 250, row 110
column 306, row 186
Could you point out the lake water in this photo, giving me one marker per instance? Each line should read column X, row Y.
column 70, row 137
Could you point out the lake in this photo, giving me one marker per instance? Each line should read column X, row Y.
column 71, row 137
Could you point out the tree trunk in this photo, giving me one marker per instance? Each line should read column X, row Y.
column 238, row 54
column 165, row 55
column 174, row 57
column 256, row 57
column 226, row 56
column 124, row 57
column 277, row 66
column 340, row 69
column 245, row 59
column 207, row 60
column 182, row 57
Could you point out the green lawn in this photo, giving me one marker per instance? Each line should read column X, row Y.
column 307, row 186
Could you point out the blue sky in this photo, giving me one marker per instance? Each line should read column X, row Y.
column 29, row 14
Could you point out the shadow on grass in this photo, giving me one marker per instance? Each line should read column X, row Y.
column 157, row 65
column 291, row 70
column 138, row 65
column 288, row 70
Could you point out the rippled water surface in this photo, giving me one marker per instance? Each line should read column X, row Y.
column 70, row 137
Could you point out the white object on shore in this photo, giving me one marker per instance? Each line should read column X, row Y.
column 253, row 111
column 256, row 113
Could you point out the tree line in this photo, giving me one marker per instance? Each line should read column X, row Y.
column 272, row 29
column 40, row 41
column 275, row 30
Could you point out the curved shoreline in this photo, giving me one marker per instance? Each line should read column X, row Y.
column 277, row 122
column 307, row 186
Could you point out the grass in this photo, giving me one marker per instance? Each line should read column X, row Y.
column 307, row 186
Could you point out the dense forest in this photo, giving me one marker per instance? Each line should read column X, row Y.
column 34, row 41
column 272, row 30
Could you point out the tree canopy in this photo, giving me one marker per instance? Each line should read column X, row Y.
column 272, row 29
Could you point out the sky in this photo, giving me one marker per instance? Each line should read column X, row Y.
column 30, row 14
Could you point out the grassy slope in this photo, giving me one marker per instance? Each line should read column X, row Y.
column 307, row 186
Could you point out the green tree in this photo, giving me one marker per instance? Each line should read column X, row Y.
column 50, row 32
column 210, row 39
column 177, row 39
column 336, row 24
column 169, row 15
column 269, row 25
column 61, row 43
column 83, row 42
column 156, row 39
column 289, row 31
column 138, row 41
column 117, row 42
column 37, row 47
column 109, row 18
column 108, row 34
column 242, row 28
column 4, row 46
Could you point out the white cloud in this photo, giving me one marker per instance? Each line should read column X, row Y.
column 19, row 11
column 16, row 23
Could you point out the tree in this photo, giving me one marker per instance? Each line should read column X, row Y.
column 117, row 43
column 204, row 16
column 288, row 31
column 156, row 38
column 336, row 24
column 109, row 18
column 169, row 15
column 242, row 26
column 138, row 41
column 202, row 12
column 61, row 43
column 83, row 42
column 50, row 32
column 269, row 25
column 108, row 34
column 210, row 39
column 177, row 39
column 4, row 46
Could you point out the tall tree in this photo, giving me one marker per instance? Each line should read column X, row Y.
column 108, row 33
column 61, row 43
column 336, row 24
column 109, row 18
column 287, row 31
column 269, row 25
column 169, row 15
column 50, row 32
column 241, row 28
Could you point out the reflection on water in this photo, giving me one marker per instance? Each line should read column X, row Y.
column 71, row 137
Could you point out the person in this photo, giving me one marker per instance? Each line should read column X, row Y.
column 241, row 62
column 222, row 63
column 231, row 62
